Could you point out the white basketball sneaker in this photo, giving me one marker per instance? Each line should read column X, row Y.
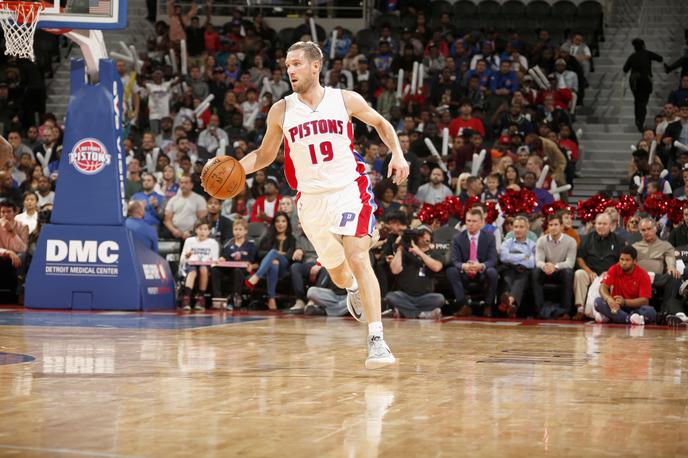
column 637, row 319
column 379, row 354
column 354, row 305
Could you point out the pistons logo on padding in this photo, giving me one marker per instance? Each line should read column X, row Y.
column 89, row 156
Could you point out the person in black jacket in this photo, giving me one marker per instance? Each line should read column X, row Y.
column 679, row 234
column 678, row 130
column 640, row 65
column 275, row 250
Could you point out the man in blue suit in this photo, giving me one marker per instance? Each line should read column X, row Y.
column 474, row 258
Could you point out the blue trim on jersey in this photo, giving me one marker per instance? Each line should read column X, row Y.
column 372, row 203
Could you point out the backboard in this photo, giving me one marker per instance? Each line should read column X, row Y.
column 84, row 14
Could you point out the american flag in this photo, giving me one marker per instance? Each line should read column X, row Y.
column 99, row 6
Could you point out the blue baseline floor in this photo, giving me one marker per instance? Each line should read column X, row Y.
column 119, row 320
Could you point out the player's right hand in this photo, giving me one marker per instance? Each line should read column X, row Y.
column 398, row 168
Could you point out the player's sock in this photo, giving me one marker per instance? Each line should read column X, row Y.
column 354, row 285
column 375, row 329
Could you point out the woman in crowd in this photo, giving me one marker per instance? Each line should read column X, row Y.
column 385, row 192
column 275, row 251
column 511, row 177
column 31, row 183
column 168, row 186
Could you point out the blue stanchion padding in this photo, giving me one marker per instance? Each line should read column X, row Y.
column 92, row 171
column 87, row 259
column 97, row 268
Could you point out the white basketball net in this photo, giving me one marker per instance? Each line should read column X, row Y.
column 19, row 20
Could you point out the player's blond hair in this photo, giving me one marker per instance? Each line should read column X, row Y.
column 310, row 50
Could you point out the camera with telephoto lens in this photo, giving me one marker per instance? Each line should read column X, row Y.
column 408, row 236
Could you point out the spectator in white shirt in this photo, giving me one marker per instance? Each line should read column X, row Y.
column 581, row 52
column 29, row 217
column 565, row 78
column 45, row 194
column 159, row 95
column 184, row 209
column 276, row 86
column 211, row 137
column 250, row 108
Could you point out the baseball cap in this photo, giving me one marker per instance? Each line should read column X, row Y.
column 560, row 62
column 505, row 140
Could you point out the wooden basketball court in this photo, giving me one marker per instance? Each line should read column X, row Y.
column 167, row 385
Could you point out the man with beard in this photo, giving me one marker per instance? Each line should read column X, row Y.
column 153, row 202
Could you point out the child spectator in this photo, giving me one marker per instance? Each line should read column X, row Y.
column 238, row 248
column 199, row 248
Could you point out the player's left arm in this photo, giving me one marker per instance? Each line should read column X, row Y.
column 359, row 108
column 6, row 153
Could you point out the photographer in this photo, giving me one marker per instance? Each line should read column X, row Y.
column 413, row 264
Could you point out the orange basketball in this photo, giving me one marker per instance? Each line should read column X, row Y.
column 223, row 177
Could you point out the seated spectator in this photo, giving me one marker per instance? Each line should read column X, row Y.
column 566, row 79
column 14, row 239
column 211, row 137
column 474, row 188
column 184, row 210
column 7, row 190
column 238, row 248
column 275, row 250
column 18, row 148
column 167, row 185
column 555, row 258
column 29, row 217
column 140, row 228
column 413, row 264
column 435, row 191
column 305, row 268
column 625, row 292
column 596, row 254
column 45, row 194
column 517, row 254
column 31, row 181
column 542, row 195
column 492, row 188
column 615, row 225
column 154, row 202
column 474, row 258
column 267, row 205
column 465, row 120
column 199, row 248
column 386, row 191
column 678, row 130
column 220, row 225
column 505, row 81
column 679, row 234
column 657, row 256
column 679, row 97
column 567, row 221
column 326, row 299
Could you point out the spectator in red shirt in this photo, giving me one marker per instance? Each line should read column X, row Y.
column 267, row 205
column 465, row 120
column 625, row 292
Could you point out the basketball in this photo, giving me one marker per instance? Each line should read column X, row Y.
column 223, row 177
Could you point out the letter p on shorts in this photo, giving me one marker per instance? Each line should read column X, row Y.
column 347, row 217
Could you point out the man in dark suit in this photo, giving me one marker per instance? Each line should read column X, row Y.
column 474, row 258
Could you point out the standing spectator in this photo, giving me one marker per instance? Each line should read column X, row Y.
column 555, row 258
column 238, row 248
column 657, row 256
column 596, row 254
column 474, row 258
column 435, row 191
column 179, row 22
column 625, row 292
column 640, row 65
column 413, row 265
column 159, row 96
column 141, row 229
column 184, row 209
column 133, row 184
column 518, row 256
column 153, row 202
column 275, row 250
column 199, row 248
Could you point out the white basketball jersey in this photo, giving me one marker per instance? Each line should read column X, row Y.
column 319, row 151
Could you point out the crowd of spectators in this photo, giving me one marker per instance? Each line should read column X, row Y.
column 504, row 127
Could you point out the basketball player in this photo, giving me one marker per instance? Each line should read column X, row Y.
column 335, row 199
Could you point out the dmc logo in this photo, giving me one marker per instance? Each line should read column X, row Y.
column 89, row 156
column 84, row 251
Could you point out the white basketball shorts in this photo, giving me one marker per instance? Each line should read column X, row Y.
column 326, row 216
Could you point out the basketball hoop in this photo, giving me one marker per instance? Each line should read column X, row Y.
column 18, row 21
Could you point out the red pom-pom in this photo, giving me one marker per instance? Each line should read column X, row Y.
column 676, row 208
column 454, row 206
column 492, row 212
column 627, row 205
column 657, row 205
